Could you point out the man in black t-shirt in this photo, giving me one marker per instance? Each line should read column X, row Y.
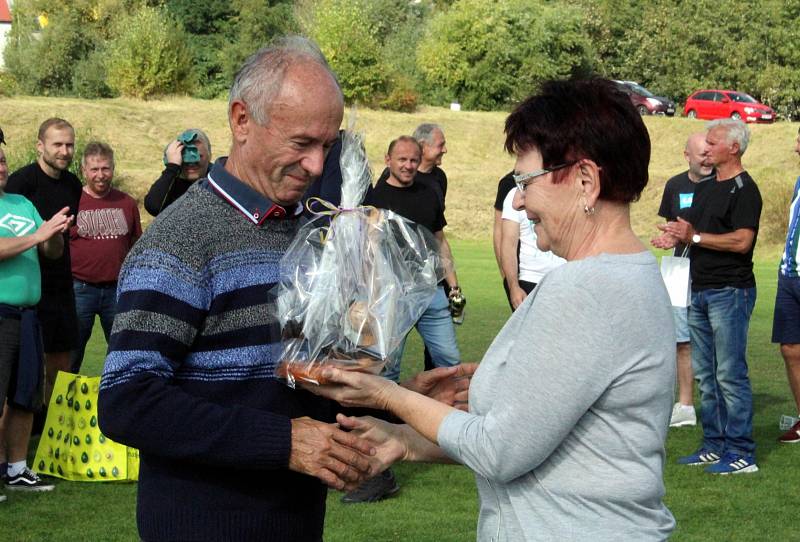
column 419, row 203
column 51, row 186
column 678, row 193
column 434, row 147
column 722, row 227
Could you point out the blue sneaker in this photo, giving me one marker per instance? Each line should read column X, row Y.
column 731, row 463
column 700, row 457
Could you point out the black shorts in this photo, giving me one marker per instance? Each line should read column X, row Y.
column 58, row 319
column 10, row 374
column 786, row 318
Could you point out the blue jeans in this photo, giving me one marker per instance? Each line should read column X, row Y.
column 718, row 322
column 437, row 331
column 92, row 300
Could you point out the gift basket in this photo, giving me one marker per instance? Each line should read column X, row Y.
column 354, row 280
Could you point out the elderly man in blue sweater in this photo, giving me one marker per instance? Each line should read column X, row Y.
column 227, row 451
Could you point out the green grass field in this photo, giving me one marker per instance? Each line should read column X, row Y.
column 439, row 503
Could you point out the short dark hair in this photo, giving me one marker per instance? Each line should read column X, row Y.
column 53, row 122
column 405, row 139
column 97, row 148
column 585, row 118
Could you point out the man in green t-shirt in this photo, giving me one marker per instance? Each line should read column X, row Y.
column 23, row 235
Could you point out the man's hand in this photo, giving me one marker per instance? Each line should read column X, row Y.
column 680, row 229
column 59, row 223
column 341, row 460
column 174, row 153
column 664, row 241
column 448, row 385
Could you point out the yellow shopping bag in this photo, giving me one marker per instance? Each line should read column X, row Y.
column 72, row 446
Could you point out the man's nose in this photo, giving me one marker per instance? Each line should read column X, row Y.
column 313, row 162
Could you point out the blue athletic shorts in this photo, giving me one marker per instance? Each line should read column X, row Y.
column 680, row 316
column 786, row 320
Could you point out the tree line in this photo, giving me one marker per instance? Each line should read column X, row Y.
column 396, row 54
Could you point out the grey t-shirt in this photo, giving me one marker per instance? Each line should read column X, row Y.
column 570, row 407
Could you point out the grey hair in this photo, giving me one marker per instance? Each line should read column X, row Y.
column 424, row 132
column 737, row 132
column 260, row 78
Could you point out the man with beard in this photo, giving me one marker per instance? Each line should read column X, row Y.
column 50, row 186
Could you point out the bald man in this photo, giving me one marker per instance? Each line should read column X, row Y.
column 678, row 194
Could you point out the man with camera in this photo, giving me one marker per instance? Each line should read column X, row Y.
column 186, row 159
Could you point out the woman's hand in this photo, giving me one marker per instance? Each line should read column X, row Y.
column 354, row 389
column 387, row 438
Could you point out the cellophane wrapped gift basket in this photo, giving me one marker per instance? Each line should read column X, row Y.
column 354, row 281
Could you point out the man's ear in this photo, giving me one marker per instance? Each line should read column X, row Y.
column 39, row 147
column 240, row 121
column 386, row 159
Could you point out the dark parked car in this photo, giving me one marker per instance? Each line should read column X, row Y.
column 645, row 102
column 722, row 104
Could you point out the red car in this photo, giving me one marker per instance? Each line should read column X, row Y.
column 722, row 104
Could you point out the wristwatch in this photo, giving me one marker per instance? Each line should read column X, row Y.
column 696, row 239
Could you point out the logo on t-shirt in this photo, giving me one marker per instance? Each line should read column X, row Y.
column 19, row 225
column 685, row 200
column 108, row 223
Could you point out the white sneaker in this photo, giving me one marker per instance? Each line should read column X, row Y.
column 682, row 415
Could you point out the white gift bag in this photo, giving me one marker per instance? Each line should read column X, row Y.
column 675, row 272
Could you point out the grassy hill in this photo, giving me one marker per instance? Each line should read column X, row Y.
column 139, row 130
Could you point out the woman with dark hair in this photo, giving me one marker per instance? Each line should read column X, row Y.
column 570, row 405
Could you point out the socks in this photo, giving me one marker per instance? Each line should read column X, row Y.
column 14, row 469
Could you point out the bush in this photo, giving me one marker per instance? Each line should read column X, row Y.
column 8, row 85
column 89, row 78
column 488, row 55
column 401, row 98
column 343, row 32
column 42, row 59
column 148, row 55
column 257, row 23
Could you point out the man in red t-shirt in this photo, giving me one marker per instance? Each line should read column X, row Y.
column 105, row 229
